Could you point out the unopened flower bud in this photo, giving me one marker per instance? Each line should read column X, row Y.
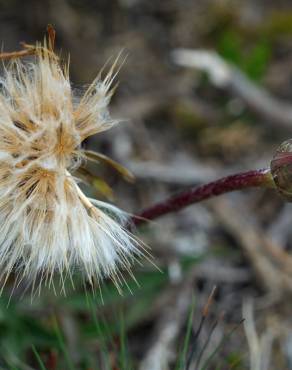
column 281, row 169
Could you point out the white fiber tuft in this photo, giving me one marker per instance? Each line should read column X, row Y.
column 47, row 224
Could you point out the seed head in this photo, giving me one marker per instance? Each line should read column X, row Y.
column 47, row 224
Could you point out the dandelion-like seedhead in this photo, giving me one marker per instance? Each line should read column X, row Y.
column 47, row 224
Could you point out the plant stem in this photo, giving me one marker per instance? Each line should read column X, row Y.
column 249, row 179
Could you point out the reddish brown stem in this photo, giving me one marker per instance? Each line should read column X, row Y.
column 254, row 178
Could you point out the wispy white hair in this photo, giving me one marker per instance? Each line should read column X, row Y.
column 47, row 224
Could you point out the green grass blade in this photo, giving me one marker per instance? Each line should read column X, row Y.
column 123, row 356
column 38, row 357
column 100, row 335
column 61, row 342
column 182, row 358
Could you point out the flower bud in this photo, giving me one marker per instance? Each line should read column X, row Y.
column 281, row 169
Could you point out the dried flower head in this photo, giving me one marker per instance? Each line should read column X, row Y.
column 47, row 224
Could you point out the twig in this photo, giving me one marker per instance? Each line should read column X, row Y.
column 168, row 327
column 226, row 75
column 29, row 50
column 254, row 178
column 258, row 250
column 183, row 174
column 259, row 347
column 214, row 270
column 32, row 49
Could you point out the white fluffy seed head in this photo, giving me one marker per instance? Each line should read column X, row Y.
column 47, row 224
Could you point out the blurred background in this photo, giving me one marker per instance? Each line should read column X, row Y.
column 181, row 126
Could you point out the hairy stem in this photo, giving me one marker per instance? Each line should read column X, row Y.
column 254, row 178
